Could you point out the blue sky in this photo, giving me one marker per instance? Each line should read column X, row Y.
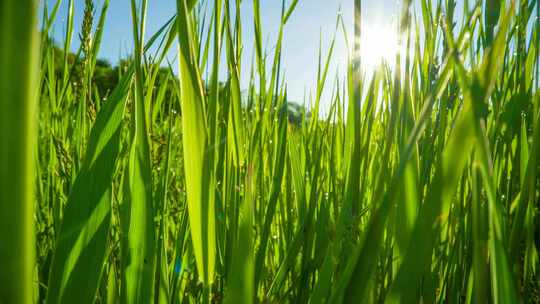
column 311, row 20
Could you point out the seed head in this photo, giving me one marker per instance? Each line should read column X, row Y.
column 86, row 31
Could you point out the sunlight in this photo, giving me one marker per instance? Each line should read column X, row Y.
column 378, row 45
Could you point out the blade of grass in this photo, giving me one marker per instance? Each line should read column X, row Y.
column 81, row 243
column 197, row 155
column 139, row 248
column 18, row 96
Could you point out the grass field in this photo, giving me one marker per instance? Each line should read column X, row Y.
column 419, row 184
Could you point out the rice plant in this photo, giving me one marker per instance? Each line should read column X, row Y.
column 415, row 180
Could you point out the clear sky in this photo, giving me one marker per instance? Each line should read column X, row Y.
column 311, row 20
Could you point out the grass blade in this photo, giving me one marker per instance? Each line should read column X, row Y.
column 18, row 87
column 198, row 156
column 82, row 240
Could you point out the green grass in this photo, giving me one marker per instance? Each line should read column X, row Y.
column 420, row 184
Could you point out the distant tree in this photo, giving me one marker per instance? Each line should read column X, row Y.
column 104, row 78
column 297, row 113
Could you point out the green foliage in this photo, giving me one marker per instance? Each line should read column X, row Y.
column 420, row 184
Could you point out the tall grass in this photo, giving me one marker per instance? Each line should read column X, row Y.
column 419, row 184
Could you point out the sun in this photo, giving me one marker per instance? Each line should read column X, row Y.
column 378, row 45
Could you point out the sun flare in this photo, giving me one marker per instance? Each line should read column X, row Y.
column 378, row 45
